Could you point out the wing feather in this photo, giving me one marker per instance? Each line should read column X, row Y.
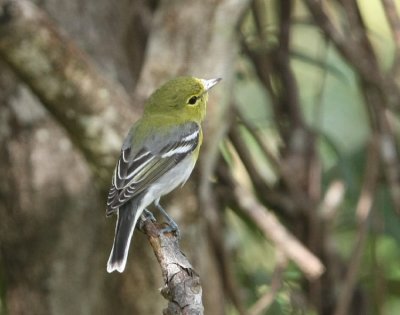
column 134, row 173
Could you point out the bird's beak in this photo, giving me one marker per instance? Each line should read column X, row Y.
column 208, row 84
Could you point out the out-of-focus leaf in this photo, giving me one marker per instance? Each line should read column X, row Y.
column 253, row 101
column 321, row 64
column 391, row 307
column 391, row 220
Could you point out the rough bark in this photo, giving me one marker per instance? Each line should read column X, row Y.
column 182, row 286
column 66, row 83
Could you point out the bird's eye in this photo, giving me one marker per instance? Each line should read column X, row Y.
column 192, row 100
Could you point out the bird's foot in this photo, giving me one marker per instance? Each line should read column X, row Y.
column 146, row 215
column 172, row 227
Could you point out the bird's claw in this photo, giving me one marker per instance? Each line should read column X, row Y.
column 172, row 227
column 146, row 215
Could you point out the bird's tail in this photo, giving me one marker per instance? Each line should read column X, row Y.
column 128, row 214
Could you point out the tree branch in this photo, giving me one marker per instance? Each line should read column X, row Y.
column 263, row 303
column 363, row 211
column 343, row 42
column 355, row 47
column 181, row 283
column 389, row 7
column 278, row 234
column 92, row 110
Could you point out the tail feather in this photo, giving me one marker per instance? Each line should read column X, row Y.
column 128, row 215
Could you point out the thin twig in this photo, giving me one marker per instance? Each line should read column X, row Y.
column 390, row 157
column 332, row 199
column 289, row 106
column 281, row 171
column 215, row 233
column 354, row 45
column 389, row 7
column 263, row 303
column 272, row 198
column 263, row 147
column 344, row 42
column 388, row 146
column 363, row 211
column 308, row 263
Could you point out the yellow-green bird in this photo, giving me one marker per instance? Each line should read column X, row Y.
column 157, row 156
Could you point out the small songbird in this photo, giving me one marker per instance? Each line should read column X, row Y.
column 157, row 156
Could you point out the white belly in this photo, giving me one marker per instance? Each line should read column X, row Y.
column 168, row 182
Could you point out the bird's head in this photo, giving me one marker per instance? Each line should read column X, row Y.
column 182, row 96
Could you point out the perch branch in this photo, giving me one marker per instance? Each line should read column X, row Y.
column 181, row 283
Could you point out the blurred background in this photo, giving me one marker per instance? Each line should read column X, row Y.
column 301, row 147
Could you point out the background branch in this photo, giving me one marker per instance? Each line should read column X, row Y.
column 309, row 264
column 363, row 210
column 265, row 301
column 94, row 112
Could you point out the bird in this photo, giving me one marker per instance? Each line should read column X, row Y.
column 158, row 155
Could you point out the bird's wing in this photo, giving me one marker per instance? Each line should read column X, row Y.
column 159, row 153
